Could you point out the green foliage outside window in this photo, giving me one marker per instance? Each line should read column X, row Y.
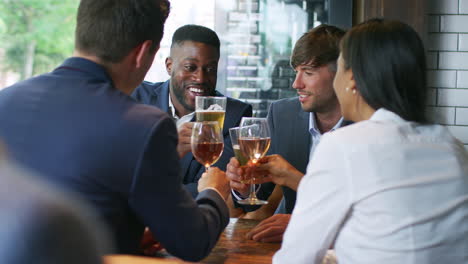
column 36, row 35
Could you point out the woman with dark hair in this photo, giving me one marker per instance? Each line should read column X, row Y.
column 390, row 188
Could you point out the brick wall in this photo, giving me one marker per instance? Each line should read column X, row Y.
column 448, row 65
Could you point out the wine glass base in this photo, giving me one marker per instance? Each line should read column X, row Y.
column 252, row 201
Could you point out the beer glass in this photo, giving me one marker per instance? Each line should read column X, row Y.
column 207, row 142
column 210, row 108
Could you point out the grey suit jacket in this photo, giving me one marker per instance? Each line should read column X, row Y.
column 291, row 139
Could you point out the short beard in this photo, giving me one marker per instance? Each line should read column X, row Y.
column 179, row 93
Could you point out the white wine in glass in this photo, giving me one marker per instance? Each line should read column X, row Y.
column 254, row 141
column 207, row 142
column 234, row 134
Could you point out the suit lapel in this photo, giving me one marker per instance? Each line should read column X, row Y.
column 302, row 139
column 161, row 97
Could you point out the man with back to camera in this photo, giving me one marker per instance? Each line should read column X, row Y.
column 193, row 67
column 297, row 123
column 89, row 136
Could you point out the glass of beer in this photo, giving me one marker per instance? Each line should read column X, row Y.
column 234, row 134
column 210, row 108
column 207, row 142
column 254, row 142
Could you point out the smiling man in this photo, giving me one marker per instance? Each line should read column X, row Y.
column 297, row 125
column 193, row 67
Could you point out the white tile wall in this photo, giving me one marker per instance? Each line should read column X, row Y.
column 442, row 115
column 443, row 7
column 434, row 24
column 460, row 132
column 442, row 78
column 447, row 60
column 452, row 97
column 453, row 60
column 463, row 42
column 432, row 97
column 442, row 41
column 454, row 23
column 462, row 79
column 461, row 116
column 463, row 7
column 432, row 60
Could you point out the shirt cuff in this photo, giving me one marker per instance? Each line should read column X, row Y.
column 238, row 196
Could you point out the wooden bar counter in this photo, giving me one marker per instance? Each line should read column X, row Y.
column 232, row 248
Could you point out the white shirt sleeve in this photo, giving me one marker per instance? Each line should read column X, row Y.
column 323, row 202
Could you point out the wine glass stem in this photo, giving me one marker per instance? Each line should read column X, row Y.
column 253, row 194
column 207, row 167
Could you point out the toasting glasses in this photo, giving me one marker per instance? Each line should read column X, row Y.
column 207, row 142
column 254, row 142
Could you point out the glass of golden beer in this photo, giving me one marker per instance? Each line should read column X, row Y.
column 210, row 108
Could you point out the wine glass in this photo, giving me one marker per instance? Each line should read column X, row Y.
column 207, row 142
column 234, row 133
column 254, row 142
column 210, row 108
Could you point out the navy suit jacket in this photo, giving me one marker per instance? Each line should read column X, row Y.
column 75, row 128
column 157, row 94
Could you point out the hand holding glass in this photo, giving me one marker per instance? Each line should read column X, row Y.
column 254, row 142
column 234, row 134
column 207, row 142
column 210, row 108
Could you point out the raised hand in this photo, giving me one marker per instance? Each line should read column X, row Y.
column 280, row 171
column 185, row 134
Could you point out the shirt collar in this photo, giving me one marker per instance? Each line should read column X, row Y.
column 313, row 125
column 179, row 120
column 383, row 114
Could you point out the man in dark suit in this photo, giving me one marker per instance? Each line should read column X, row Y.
column 193, row 67
column 296, row 126
column 78, row 126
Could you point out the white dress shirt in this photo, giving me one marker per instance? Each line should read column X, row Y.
column 382, row 191
column 315, row 133
column 179, row 120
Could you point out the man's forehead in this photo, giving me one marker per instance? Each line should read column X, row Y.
column 177, row 49
column 309, row 66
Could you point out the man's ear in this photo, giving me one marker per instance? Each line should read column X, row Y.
column 169, row 65
column 143, row 51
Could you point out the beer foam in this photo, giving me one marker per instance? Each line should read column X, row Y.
column 215, row 107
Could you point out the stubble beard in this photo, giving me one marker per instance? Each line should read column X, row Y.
column 180, row 95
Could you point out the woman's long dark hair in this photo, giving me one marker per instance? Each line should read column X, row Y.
column 389, row 66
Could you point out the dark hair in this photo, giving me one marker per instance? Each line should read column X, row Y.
column 389, row 66
column 196, row 33
column 110, row 29
column 318, row 47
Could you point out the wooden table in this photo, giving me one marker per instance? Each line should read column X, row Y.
column 232, row 248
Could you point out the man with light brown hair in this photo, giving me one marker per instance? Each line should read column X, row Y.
column 296, row 126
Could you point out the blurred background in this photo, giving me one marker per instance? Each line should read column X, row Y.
column 257, row 37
